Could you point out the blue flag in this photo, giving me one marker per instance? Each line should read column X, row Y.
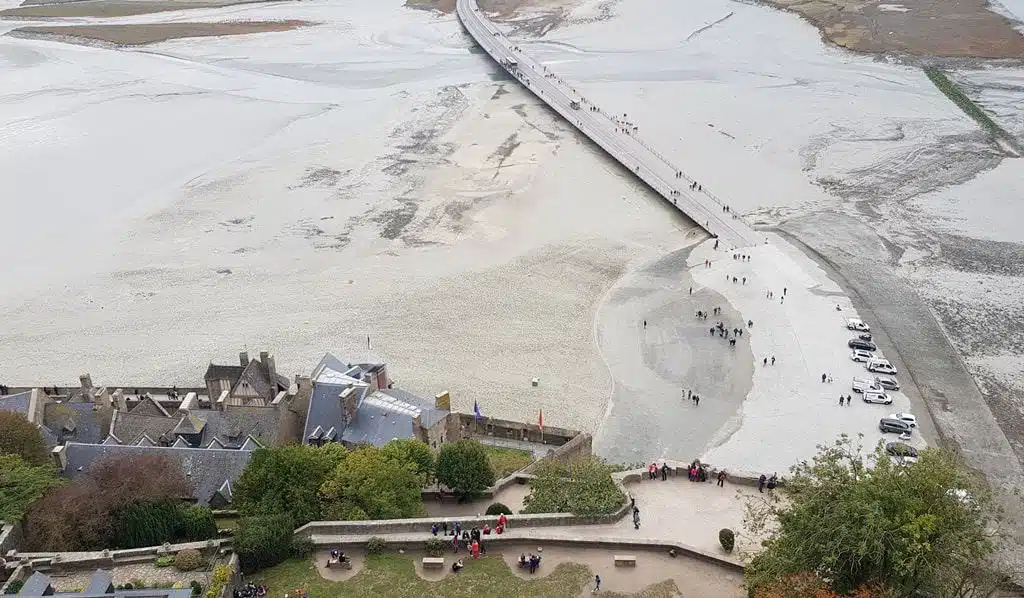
column 476, row 410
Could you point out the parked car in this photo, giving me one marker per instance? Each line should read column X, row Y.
column 879, row 397
column 901, row 452
column 857, row 324
column 882, row 366
column 865, row 336
column 863, row 384
column 856, row 343
column 861, row 356
column 894, row 426
column 909, row 419
column 887, row 383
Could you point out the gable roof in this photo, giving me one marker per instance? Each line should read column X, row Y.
column 385, row 416
column 256, row 376
column 206, row 469
column 330, row 377
column 189, row 425
column 100, row 582
column 149, row 406
column 143, row 440
column 36, row 585
column 111, row 439
column 130, row 426
column 230, row 426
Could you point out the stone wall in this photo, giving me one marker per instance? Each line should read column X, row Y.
column 579, row 446
column 464, row 425
column 10, row 537
column 106, row 559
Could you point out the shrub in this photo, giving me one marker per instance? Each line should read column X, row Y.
column 264, row 541
column 221, row 575
column 434, row 546
column 188, row 560
column 147, row 524
column 498, row 508
column 375, row 545
column 138, row 584
column 727, row 539
column 128, row 586
column 302, row 548
column 15, row 586
column 197, row 588
column 164, row 561
column 197, row 524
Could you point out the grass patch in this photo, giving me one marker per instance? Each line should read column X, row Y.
column 951, row 91
column 507, row 460
column 226, row 522
column 391, row 575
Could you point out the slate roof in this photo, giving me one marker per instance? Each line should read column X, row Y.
column 149, row 406
column 383, row 417
column 100, row 586
column 231, row 426
column 329, row 379
column 81, row 422
column 224, row 372
column 206, row 469
column 18, row 403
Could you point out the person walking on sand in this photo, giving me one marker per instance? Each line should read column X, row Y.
column 766, row 362
column 645, row 324
column 823, row 377
column 760, row 483
column 696, row 400
column 848, row 399
column 597, row 583
column 721, row 479
column 841, row 399
column 773, row 360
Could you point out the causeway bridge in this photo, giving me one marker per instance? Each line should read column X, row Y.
column 616, row 134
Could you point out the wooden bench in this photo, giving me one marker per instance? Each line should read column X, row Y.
column 626, row 560
column 433, row 562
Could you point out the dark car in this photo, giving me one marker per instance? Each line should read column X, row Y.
column 894, row 426
column 902, row 452
column 857, row 343
column 888, row 383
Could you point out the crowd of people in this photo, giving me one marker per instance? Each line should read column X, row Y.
column 250, row 590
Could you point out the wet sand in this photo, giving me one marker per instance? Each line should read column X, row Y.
column 647, row 417
column 137, row 34
column 114, row 8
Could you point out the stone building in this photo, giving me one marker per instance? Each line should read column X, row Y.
column 251, row 382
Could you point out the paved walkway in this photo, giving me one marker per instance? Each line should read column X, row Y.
column 616, row 134
column 675, row 511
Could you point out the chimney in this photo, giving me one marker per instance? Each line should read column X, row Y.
column 264, row 356
column 60, row 456
column 243, row 358
column 118, row 400
column 348, row 405
column 86, row 380
column 271, row 368
column 187, row 403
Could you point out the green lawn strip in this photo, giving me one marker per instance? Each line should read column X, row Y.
column 951, row 91
column 507, row 460
column 391, row 575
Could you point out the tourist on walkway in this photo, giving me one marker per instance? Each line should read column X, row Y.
column 502, row 520
column 597, row 583
column 636, row 518
column 455, row 544
column 664, row 472
column 773, row 482
column 474, row 549
column 760, row 483
column 721, row 479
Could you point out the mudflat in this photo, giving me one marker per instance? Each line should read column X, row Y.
column 137, row 34
column 915, row 27
column 114, row 8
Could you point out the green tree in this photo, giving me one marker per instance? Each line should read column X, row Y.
column 463, row 467
column 21, row 438
column 415, row 453
column 286, row 479
column 198, row 524
column 582, row 487
column 857, row 520
column 263, row 541
column 21, row 484
column 147, row 524
column 369, row 485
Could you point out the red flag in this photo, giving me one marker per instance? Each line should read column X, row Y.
column 540, row 420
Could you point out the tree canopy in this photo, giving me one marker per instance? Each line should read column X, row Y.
column 582, row 487
column 368, row 484
column 414, row 452
column 862, row 520
column 21, row 438
column 463, row 467
column 83, row 515
column 21, row 484
column 286, row 479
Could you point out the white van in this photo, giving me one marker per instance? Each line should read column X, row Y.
column 857, row 324
column 865, row 384
column 881, row 366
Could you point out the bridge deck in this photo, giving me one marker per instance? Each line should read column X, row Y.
column 612, row 133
